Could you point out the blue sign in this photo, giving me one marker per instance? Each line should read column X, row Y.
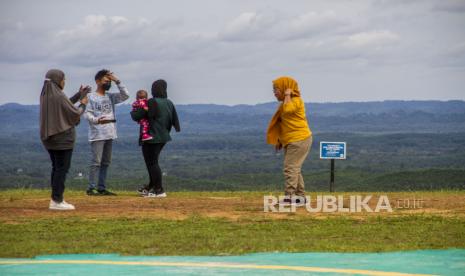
column 332, row 150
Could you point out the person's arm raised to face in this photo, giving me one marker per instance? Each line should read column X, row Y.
column 287, row 96
column 82, row 93
column 123, row 94
column 288, row 105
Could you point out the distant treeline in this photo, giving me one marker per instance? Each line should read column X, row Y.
column 401, row 146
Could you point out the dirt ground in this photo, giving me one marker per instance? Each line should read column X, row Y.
column 231, row 205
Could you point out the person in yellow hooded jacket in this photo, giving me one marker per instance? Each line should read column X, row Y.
column 289, row 129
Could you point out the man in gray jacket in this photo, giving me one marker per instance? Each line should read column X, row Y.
column 100, row 113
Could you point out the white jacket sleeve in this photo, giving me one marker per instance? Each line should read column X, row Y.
column 89, row 114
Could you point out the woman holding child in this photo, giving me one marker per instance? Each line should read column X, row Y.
column 160, row 113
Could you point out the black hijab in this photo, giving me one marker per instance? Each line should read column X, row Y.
column 159, row 89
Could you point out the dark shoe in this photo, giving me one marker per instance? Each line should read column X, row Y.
column 294, row 200
column 286, row 201
column 91, row 192
column 106, row 193
column 143, row 190
column 301, row 202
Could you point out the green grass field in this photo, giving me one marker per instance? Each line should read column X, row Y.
column 218, row 223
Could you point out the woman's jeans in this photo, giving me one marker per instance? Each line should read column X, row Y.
column 151, row 153
column 61, row 161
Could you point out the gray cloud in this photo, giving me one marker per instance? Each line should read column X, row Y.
column 229, row 53
column 454, row 6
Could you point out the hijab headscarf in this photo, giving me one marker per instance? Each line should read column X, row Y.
column 282, row 83
column 57, row 113
column 159, row 89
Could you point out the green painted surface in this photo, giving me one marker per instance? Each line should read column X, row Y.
column 438, row 262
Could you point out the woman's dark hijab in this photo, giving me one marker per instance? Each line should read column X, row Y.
column 159, row 89
column 57, row 113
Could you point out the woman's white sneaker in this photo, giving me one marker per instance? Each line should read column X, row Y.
column 60, row 206
column 155, row 195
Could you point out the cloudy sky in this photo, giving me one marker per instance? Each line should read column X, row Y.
column 228, row 52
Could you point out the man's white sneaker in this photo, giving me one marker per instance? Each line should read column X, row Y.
column 161, row 195
column 60, row 206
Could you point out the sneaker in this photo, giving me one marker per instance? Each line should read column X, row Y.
column 286, row 201
column 105, row 193
column 163, row 194
column 143, row 191
column 60, row 206
column 91, row 192
column 301, row 201
column 297, row 201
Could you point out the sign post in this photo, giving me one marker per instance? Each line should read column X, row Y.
column 331, row 181
column 332, row 150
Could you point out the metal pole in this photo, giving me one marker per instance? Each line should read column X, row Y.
column 331, row 183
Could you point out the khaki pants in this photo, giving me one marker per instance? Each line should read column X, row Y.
column 294, row 156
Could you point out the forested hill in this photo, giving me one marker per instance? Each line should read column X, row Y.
column 373, row 117
column 392, row 145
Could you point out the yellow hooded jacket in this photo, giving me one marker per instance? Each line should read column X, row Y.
column 289, row 123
